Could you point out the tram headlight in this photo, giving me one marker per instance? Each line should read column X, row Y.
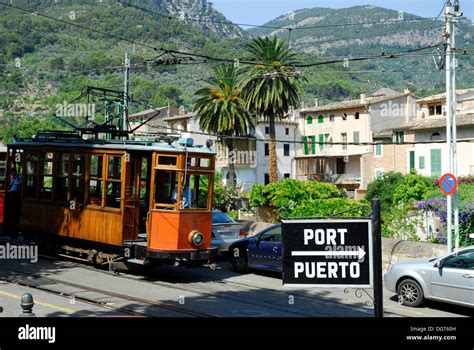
column 196, row 238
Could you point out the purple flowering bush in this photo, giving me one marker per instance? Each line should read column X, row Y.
column 438, row 206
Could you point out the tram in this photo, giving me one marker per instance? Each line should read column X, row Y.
column 113, row 201
column 3, row 177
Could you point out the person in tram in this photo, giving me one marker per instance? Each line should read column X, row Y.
column 14, row 202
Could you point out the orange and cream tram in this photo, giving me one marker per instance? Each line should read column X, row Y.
column 111, row 201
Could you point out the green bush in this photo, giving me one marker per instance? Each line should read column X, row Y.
column 327, row 207
column 412, row 187
column 289, row 192
column 383, row 189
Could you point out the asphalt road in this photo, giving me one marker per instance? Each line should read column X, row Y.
column 185, row 292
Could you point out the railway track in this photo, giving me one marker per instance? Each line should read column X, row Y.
column 145, row 302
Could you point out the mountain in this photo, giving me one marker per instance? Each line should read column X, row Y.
column 44, row 62
column 371, row 30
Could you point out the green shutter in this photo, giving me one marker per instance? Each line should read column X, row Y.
column 314, row 144
column 320, row 119
column 305, row 141
column 435, row 162
column 309, row 120
column 356, row 137
column 412, row 161
column 378, row 149
column 422, row 162
column 321, row 140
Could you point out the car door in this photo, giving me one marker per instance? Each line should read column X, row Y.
column 454, row 280
column 264, row 252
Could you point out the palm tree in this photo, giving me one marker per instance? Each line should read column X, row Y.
column 272, row 86
column 222, row 110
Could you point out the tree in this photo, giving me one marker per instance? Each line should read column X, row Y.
column 272, row 86
column 222, row 110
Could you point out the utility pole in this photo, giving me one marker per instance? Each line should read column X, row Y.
column 126, row 93
column 451, row 129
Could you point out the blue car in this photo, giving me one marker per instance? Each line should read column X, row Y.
column 260, row 252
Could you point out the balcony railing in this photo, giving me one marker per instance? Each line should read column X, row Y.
column 332, row 178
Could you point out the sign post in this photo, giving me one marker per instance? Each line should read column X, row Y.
column 335, row 252
column 449, row 186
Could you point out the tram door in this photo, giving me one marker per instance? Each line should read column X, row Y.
column 132, row 197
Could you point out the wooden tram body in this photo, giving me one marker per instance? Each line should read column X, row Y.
column 110, row 201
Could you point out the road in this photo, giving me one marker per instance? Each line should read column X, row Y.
column 64, row 288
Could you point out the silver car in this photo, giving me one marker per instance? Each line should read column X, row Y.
column 225, row 231
column 449, row 278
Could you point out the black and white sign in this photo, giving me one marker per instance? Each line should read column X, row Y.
column 327, row 253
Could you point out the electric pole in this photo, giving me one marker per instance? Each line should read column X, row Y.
column 126, row 93
column 451, row 129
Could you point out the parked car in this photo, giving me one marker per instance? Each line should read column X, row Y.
column 260, row 252
column 449, row 278
column 225, row 231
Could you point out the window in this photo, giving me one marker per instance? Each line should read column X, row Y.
column 96, row 182
column 313, row 145
column 287, row 131
column 435, row 136
column 412, row 161
column 31, row 175
column 400, row 136
column 344, row 141
column 464, row 260
column 78, row 177
column 267, row 130
column 305, row 145
column 344, row 116
column 421, row 162
column 379, row 150
column 195, row 192
column 378, row 174
column 435, row 162
column 331, row 117
column 356, row 137
column 320, row 119
column 357, row 115
column 46, row 183
column 435, row 110
column 61, row 177
column 286, row 150
column 286, row 175
column 321, row 141
column 114, row 183
column 166, row 188
column 3, row 172
column 439, row 109
column 309, row 120
column 267, row 149
column 273, row 235
column 266, row 179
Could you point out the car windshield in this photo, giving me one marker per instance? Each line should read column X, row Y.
column 221, row 218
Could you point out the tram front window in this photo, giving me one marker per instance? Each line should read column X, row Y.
column 166, row 184
column 195, row 192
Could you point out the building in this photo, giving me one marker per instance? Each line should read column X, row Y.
column 337, row 137
column 432, row 159
column 156, row 118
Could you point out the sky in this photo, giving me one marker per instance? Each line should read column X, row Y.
column 262, row 11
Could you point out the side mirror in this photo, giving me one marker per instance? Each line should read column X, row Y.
column 439, row 264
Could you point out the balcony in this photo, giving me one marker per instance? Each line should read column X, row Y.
column 332, row 178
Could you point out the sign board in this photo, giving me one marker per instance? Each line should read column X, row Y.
column 448, row 184
column 327, row 253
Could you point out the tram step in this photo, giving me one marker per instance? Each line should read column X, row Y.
column 136, row 261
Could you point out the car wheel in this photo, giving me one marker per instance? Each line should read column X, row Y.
column 410, row 293
column 240, row 264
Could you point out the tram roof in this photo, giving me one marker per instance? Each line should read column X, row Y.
column 114, row 145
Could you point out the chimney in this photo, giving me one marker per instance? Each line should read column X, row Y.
column 407, row 91
column 363, row 99
column 316, row 103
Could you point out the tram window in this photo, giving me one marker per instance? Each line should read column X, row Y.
column 196, row 192
column 78, row 167
column 144, row 179
column 197, row 162
column 96, row 180
column 61, row 181
column 167, row 160
column 115, row 167
column 3, row 170
column 46, row 188
column 31, row 175
column 113, row 194
column 166, row 186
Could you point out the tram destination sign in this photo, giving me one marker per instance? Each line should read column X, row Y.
column 327, row 253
